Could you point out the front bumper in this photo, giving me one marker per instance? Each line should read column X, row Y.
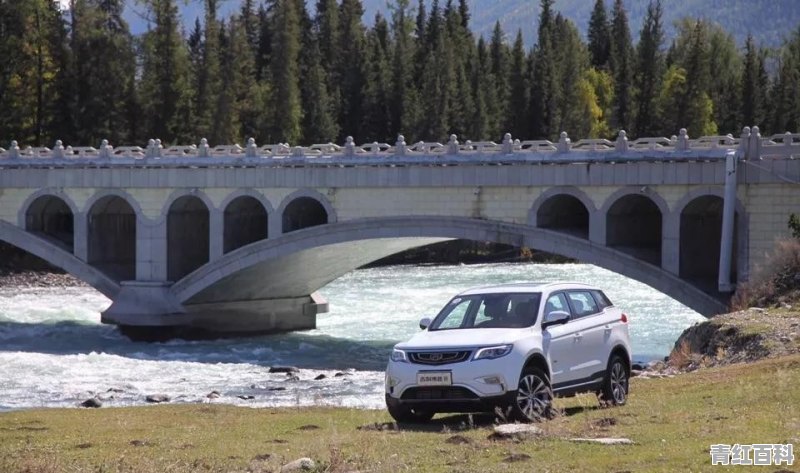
column 476, row 385
column 477, row 404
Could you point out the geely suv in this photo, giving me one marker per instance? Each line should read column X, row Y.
column 511, row 348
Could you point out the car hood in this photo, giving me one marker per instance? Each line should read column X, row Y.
column 464, row 338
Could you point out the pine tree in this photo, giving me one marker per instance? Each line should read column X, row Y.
column 696, row 107
column 726, row 64
column 350, row 67
column 545, row 81
column 753, row 86
column 164, row 88
column 571, row 69
column 209, row 76
column 264, row 49
column 328, row 28
column 459, row 43
column 621, row 62
column 481, row 74
column 285, row 125
column 104, row 50
column 377, row 125
column 519, row 96
column 649, row 72
column 599, row 36
column 785, row 101
column 30, row 35
column 499, row 60
column 435, row 80
column 404, row 104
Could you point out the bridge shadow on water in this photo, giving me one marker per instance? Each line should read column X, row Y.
column 302, row 350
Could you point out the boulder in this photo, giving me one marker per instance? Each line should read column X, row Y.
column 246, row 397
column 320, row 377
column 301, row 464
column 156, row 398
column 213, row 395
column 604, row 441
column 284, row 369
column 92, row 402
column 516, row 431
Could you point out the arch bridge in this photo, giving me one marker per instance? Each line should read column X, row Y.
column 231, row 239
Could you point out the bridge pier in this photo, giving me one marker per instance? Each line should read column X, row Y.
column 148, row 311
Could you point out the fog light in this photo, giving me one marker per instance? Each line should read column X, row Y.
column 491, row 380
column 392, row 382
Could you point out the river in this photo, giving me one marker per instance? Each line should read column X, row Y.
column 55, row 353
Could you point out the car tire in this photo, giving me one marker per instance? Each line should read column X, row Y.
column 614, row 391
column 406, row 415
column 533, row 400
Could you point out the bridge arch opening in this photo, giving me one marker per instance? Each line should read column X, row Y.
column 564, row 213
column 188, row 242
column 111, row 236
column 246, row 222
column 700, row 241
column 51, row 217
column 303, row 212
column 634, row 226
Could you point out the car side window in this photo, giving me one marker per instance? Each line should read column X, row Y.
column 556, row 302
column 602, row 300
column 582, row 303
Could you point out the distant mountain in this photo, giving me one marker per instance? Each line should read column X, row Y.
column 769, row 21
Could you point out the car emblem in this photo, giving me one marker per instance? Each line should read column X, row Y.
column 435, row 357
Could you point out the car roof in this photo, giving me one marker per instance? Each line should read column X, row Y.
column 527, row 287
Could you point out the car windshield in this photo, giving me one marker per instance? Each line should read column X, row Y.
column 502, row 310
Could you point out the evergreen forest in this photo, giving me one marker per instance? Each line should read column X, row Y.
column 280, row 72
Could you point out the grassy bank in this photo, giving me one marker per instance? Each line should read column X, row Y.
column 671, row 420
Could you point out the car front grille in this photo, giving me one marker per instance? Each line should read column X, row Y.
column 438, row 357
column 436, row 393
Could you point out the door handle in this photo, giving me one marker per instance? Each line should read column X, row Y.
column 607, row 328
column 578, row 336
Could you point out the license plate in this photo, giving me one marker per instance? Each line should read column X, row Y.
column 435, row 378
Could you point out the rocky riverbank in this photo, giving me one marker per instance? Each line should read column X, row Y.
column 739, row 337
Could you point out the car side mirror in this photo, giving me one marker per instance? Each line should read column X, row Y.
column 425, row 323
column 557, row 317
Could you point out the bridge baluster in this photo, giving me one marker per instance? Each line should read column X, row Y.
column 564, row 143
column 203, row 149
column 349, row 147
column 13, row 150
column 452, row 145
column 400, row 146
column 682, row 141
column 58, row 150
column 621, row 144
column 508, row 144
column 105, row 150
column 252, row 149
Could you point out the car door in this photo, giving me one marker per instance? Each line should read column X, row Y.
column 559, row 343
column 589, row 329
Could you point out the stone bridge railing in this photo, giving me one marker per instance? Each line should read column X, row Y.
column 750, row 145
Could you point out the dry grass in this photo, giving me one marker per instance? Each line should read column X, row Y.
column 673, row 421
column 776, row 281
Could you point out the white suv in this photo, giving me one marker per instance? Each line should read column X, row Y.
column 511, row 347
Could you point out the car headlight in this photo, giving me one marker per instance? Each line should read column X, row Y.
column 399, row 355
column 490, row 353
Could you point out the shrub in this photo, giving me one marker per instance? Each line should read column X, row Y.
column 777, row 280
column 794, row 226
